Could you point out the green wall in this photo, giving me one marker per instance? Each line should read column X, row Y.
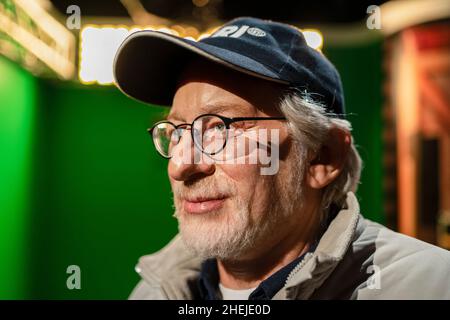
column 102, row 193
column 80, row 183
column 17, row 110
column 360, row 67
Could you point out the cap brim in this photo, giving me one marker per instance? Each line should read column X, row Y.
column 148, row 63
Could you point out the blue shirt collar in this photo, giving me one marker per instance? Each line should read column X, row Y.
column 208, row 283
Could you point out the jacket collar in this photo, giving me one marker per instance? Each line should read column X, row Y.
column 316, row 267
column 173, row 270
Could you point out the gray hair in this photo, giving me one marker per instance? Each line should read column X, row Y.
column 309, row 124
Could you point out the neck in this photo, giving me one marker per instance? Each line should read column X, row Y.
column 249, row 272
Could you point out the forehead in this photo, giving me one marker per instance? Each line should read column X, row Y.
column 207, row 87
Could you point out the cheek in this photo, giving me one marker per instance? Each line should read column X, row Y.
column 243, row 175
column 252, row 187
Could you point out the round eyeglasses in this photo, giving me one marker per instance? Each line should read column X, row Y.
column 209, row 133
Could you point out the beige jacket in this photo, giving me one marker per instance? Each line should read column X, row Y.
column 355, row 259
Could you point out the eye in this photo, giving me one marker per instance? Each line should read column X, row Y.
column 219, row 126
column 215, row 126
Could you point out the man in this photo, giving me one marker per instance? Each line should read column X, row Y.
column 250, row 97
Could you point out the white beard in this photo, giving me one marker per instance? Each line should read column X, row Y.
column 232, row 235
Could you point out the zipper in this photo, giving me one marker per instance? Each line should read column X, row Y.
column 297, row 268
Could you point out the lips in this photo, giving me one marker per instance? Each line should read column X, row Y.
column 200, row 205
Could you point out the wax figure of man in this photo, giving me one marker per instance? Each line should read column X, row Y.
column 263, row 170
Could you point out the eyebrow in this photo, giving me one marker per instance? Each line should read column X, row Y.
column 216, row 108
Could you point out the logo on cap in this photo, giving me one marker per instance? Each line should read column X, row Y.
column 236, row 31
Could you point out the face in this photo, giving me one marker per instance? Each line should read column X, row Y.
column 230, row 210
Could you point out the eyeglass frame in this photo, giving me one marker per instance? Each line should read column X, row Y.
column 227, row 121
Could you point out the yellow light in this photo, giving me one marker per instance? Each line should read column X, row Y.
column 97, row 51
column 313, row 38
column 54, row 46
column 168, row 31
column 99, row 44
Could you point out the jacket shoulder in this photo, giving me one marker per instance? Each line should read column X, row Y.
column 405, row 267
column 143, row 291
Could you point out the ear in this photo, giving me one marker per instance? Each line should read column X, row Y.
column 328, row 162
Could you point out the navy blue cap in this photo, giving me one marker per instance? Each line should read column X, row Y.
column 148, row 63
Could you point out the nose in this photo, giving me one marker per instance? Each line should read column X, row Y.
column 188, row 161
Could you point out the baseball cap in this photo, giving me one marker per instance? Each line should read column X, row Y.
column 148, row 63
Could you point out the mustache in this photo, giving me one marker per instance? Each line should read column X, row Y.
column 210, row 188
